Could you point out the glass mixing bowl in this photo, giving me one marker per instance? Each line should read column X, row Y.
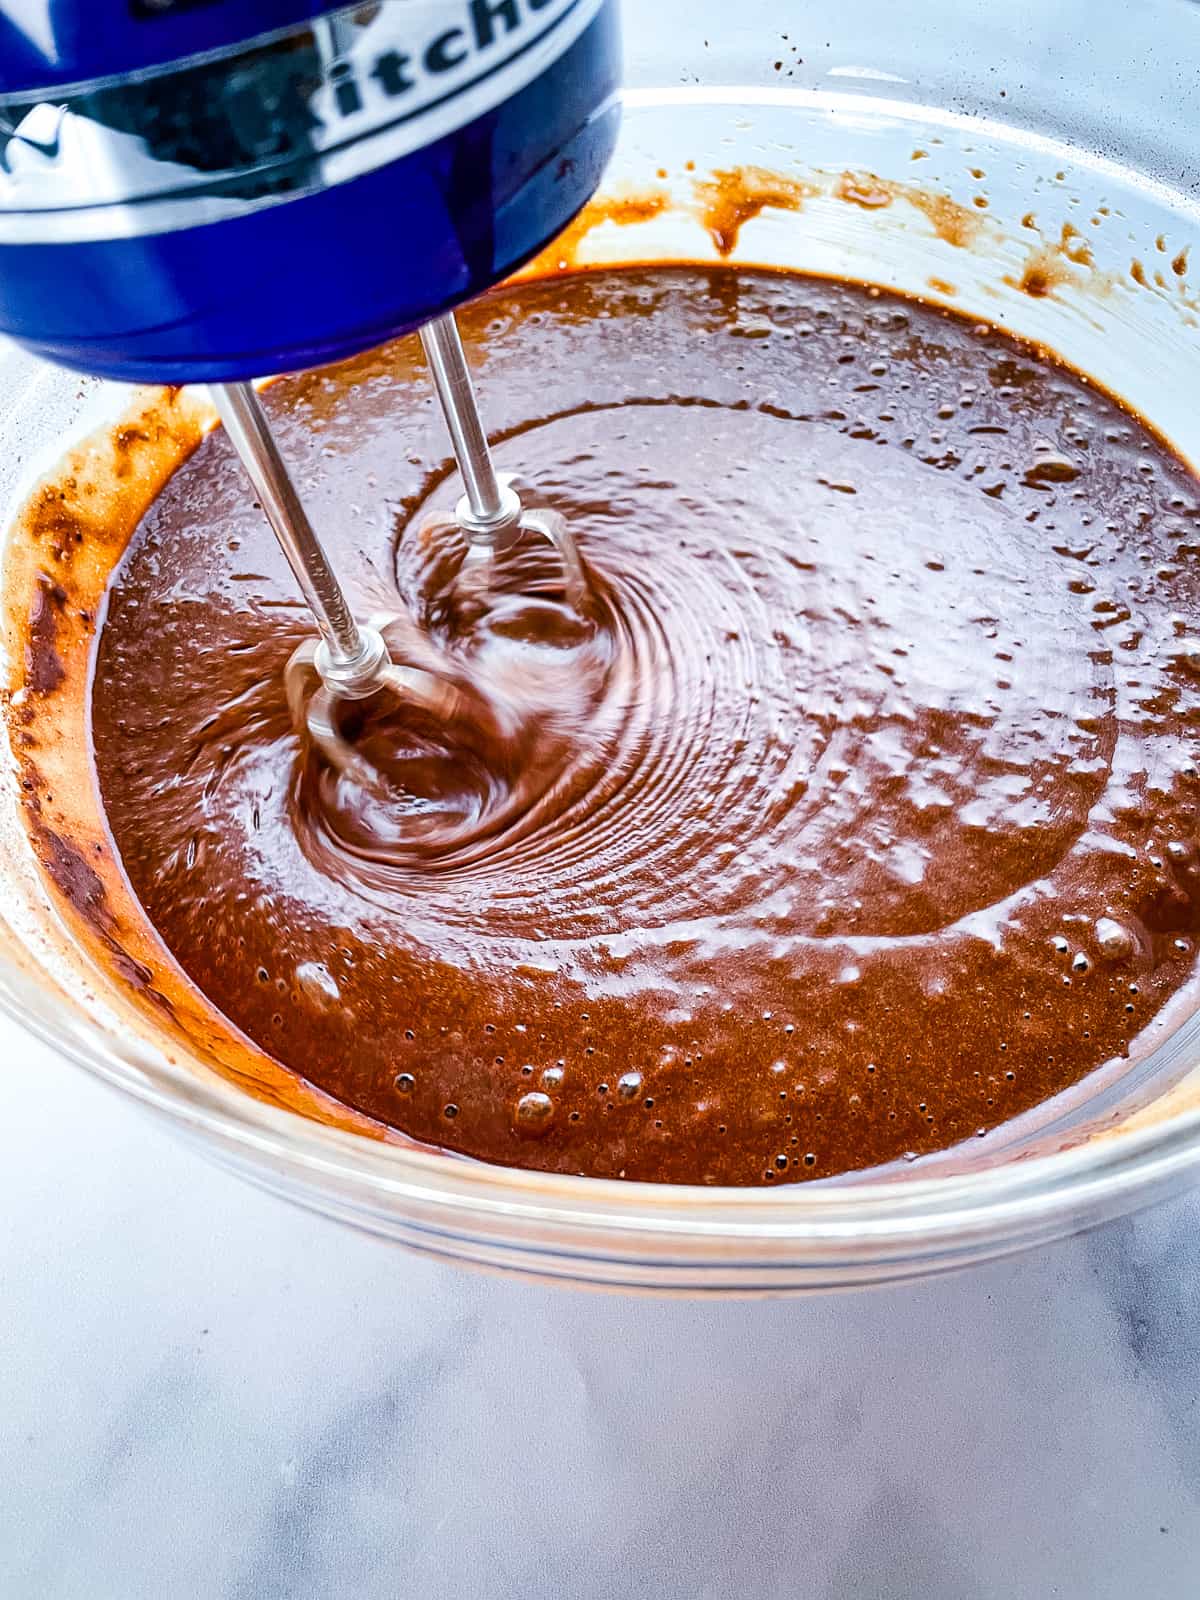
column 1043, row 174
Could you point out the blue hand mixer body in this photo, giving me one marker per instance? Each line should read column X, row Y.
column 211, row 190
column 217, row 190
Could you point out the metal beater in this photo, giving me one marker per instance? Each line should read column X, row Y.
column 351, row 660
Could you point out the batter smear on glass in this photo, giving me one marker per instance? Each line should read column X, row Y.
column 853, row 814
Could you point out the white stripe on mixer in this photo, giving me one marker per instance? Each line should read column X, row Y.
column 418, row 71
column 485, row 75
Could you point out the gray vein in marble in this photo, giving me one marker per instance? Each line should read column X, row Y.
column 1151, row 1272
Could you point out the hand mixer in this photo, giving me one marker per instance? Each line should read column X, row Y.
column 218, row 190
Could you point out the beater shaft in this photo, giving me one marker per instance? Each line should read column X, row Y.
column 490, row 508
column 353, row 657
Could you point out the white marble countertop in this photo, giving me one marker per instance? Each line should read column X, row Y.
column 205, row 1393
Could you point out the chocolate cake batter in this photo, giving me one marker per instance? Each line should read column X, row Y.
column 853, row 814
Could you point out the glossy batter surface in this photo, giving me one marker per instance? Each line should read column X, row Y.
column 853, row 815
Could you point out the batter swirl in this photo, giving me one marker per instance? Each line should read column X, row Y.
column 854, row 815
